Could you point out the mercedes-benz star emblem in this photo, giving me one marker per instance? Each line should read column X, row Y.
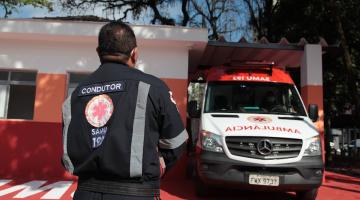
column 264, row 147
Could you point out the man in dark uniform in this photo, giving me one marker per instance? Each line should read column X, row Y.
column 121, row 127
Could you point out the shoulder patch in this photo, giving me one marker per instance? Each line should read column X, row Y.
column 99, row 110
column 116, row 86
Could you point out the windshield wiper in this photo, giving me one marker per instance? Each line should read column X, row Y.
column 291, row 118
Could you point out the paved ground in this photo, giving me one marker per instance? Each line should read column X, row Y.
column 336, row 187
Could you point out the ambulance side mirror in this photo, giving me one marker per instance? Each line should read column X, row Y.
column 193, row 111
column 313, row 112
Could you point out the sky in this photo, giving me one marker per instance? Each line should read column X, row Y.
column 31, row 12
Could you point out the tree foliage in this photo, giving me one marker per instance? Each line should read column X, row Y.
column 10, row 5
column 126, row 7
column 261, row 13
column 220, row 16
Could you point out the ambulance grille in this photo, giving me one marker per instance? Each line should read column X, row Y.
column 280, row 148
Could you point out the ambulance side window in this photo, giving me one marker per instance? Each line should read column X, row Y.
column 17, row 94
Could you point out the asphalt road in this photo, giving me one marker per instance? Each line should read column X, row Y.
column 335, row 187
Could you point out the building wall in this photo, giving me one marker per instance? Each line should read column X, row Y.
column 56, row 48
column 32, row 148
column 53, row 60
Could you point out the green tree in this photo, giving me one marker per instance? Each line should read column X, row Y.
column 136, row 8
column 221, row 17
column 261, row 13
column 11, row 5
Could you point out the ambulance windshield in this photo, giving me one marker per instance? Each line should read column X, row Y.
column 253, row 97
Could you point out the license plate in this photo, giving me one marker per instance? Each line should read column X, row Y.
column 255, row 179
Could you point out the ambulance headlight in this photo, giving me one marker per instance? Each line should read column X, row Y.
column 210, row 142
column 313, row 146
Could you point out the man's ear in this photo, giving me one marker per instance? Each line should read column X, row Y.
column 134, row 55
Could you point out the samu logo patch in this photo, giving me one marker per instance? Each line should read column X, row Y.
column 98, row 136
column 99, row 110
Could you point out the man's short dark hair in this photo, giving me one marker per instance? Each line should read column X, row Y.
column 116, row 38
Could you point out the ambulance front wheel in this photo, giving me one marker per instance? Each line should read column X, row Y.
column 307, row 195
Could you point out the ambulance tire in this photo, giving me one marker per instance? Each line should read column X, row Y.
column 201, row 189
column 191, row 168
column 307, row 195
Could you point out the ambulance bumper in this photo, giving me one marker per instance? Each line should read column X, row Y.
column 218, row 170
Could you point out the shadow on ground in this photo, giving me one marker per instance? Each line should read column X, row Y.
column 186, row 190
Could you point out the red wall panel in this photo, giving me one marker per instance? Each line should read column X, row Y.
column 30, row 150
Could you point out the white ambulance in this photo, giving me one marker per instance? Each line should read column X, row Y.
column 254, row 133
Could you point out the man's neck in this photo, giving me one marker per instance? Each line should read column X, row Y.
column 116, row 60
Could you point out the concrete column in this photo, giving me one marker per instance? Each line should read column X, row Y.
column 311, row 78
column 312, row 83
column 311, row 74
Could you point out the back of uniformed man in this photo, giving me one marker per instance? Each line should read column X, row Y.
column 121, row 126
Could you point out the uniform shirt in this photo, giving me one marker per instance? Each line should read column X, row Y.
column 116, row 125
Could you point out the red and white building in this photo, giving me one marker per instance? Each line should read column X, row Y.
column 41, row 61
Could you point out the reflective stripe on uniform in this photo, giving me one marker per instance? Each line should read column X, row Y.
column 137, row 142
column 175, row 142
column 66, row 110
